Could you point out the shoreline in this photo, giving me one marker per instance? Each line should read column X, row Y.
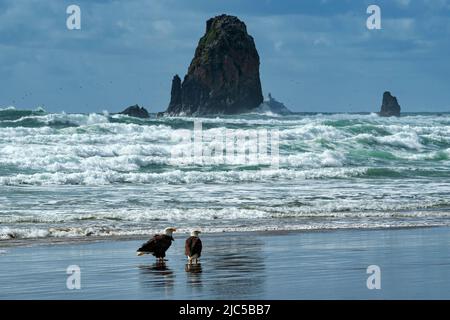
column 33, row 242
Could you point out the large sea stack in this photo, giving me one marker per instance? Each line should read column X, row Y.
column 390, row 106
column 223, row 77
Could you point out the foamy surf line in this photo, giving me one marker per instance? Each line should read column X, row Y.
column 105, row 176
column 27, row 241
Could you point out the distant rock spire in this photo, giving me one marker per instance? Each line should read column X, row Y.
column 175, row 95
column 272, row 105
column 390, row 106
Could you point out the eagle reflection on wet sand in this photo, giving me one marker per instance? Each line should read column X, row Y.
column 157, row 276
column 157, row 268
column 193, row 268
column 194, row 274
column 232, row 266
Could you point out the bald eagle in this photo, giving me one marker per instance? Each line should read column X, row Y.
column 158, row 244
column 193, row 247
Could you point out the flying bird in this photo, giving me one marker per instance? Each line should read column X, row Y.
column 158, row 244
column 193, row 247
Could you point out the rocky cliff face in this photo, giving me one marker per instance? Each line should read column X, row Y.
column 223, row 77
column 390, row 106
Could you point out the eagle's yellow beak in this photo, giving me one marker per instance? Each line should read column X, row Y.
column 139, row 253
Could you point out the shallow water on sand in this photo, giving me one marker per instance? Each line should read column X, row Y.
column 415, row 264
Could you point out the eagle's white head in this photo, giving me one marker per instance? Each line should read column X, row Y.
column 195, row 233
column 169, row 231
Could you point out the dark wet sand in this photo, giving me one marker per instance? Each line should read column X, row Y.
column 415, row 264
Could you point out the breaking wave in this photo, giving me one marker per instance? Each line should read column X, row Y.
column 333, row 171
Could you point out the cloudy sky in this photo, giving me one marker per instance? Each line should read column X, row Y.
column 315, row 55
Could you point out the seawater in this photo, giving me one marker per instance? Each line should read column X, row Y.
column 81, row 175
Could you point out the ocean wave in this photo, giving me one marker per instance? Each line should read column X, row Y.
column 100, row 148
column 335, row 171
column 132, row 217
column 121, row 157
column 9, row 108
column 15, row 233
column 402, row 140
column 105, row 176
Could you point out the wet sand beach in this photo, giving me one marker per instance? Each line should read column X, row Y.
column 414, row 263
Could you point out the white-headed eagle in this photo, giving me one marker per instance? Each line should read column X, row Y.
column 193, row 247
column 158, row 244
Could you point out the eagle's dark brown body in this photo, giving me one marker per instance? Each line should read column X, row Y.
column 193, row 247
column 157, row 245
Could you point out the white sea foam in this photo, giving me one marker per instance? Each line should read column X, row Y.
column 336, row 171
column 72, row 232
column 211, row 216
column 8, row 108
column 7, row 233
column 404, row 140
column 103, row 176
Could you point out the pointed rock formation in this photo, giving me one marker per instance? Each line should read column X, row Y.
column 223, row 77
column 390, row 106
column 175, row 94
column 136, row 111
